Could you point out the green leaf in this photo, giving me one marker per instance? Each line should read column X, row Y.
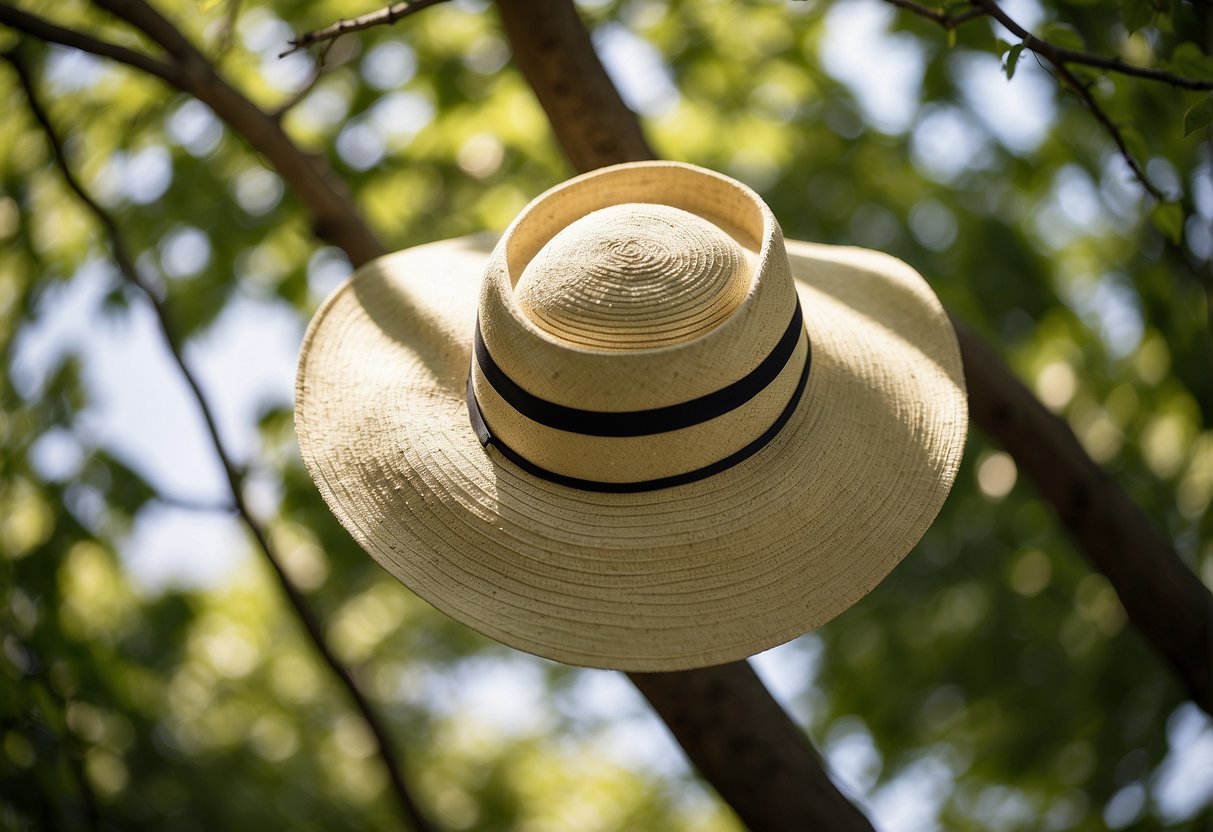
column 1063, row 35
column 1168, row 218
column 1188, row 60
column 1198, row 115
column 1012, row 59
column 1136, row 13
column 951, row 38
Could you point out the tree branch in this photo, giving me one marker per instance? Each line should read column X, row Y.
column 554, row 52
column 1084, row 95
column 1059, row 55
column 383, row 17
column 191, row 504
column 303, row 92
column 724, row 718
column 336, row 217
column 947, row 21
column 298, row 603
column 51, row 33
column 768, row 773
column 1163, row 598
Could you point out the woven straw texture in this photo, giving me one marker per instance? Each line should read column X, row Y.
column 698, row 574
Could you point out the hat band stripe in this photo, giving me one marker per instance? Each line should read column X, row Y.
column 641, row 422
column 487, row 438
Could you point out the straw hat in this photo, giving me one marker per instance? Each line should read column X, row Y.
column 640, row 431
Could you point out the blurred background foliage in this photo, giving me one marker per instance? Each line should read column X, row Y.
column 154, row 679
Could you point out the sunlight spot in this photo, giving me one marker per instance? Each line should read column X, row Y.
column 946, row 142
column 1019, row 112
column 273, row 738
column 1056, row 385
column 389, row 65
column 637, row 68
column 1183, row 784
column 56, row 455
column 932, row 224
column 401, row 115
column 258, row 190
column 360, row 146
column 326, row 269
column 70, row 70
column 184, row 251
column 1125, row 807
column 147, row 175
column 194, row 127
column 1196, row 488
column 996, row 474
column 481, row 155
column 105, row 771
column 1031, row 573
column 853, row 759
column 1164, row 443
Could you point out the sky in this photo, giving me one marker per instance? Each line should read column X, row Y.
column 141, row 412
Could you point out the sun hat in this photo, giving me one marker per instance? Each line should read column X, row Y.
column 639, row 431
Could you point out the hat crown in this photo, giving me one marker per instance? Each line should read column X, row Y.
column 638, row 327
column 634, row 276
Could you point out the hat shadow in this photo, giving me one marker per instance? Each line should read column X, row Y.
column 399, row 309
column 877, row 298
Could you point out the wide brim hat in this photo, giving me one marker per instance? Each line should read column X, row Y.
column 640, row 430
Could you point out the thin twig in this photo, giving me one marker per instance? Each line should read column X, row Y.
column 126, row 266
column 192, row 504
column 226, row 38
column 306, row 90
column 1060, row 55
column 383, row 17
column 947, row 21
column 1083, row 91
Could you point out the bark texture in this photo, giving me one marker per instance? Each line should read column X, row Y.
column 553, row 50
column 746, row 745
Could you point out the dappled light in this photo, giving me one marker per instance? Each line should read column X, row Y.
column 156, row 676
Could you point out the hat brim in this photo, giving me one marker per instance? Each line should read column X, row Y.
column 678, row 578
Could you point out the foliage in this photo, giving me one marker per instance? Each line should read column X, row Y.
column 992, row 673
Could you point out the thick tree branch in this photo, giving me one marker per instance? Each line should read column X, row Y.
column 1164, row 599
column 382, row 17
column 126, row 266
column 768, row 773
column 51, row 33
column 336, row 217
column 726, row 721
column 554, row 52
